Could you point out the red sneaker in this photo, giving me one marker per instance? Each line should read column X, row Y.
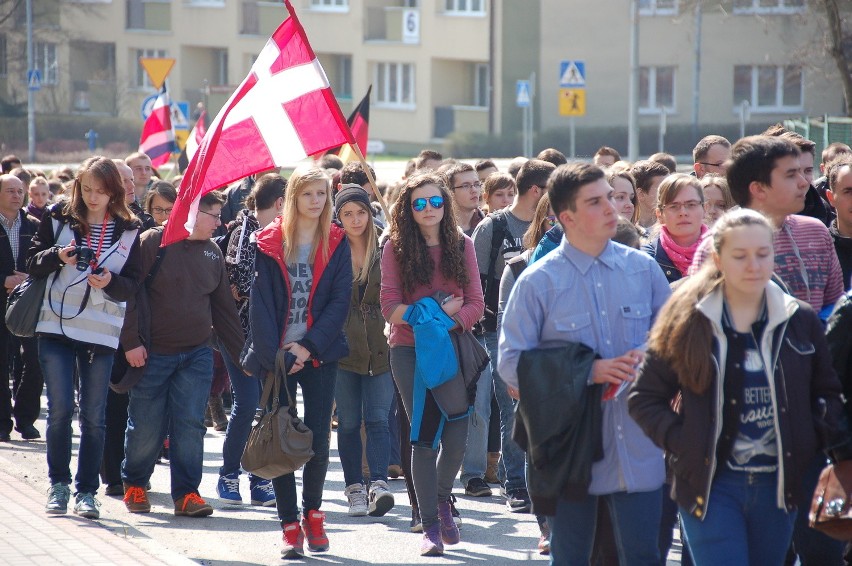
column 294, row 541
column 313, row 526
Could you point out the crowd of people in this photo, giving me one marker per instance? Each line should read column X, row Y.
column 615, row 345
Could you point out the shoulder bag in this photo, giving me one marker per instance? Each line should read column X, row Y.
column 279, row 443
column 831, row 507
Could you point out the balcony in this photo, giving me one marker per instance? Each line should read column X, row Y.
column 149, row 15
column 460, row 120
column 95, row 97
column 393, row 24
column 261, row 18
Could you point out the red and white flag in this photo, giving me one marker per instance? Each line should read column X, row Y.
column 196, row 136
column 158, row 136
column 282, row 112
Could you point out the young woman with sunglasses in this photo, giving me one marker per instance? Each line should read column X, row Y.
column 299, row 299
column 426, row 254
column 88, row 248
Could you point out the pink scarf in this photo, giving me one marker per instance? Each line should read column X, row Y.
column 681, row 256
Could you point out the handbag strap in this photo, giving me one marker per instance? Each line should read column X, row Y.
column 272, row 386
column 280, row 370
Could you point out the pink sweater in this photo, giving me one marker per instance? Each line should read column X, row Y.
column 392, row 295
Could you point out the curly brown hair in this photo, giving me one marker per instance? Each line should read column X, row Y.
column 416, row 265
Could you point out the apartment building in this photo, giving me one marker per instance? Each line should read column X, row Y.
column 438, row 66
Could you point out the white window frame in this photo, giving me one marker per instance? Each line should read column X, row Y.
column 343, row 75
column 464, row 8
column 222, row 76
column 778, row 107
column 46, row 60
column 145, row 82
column 382, row 96
column 329, row 5
column 653, row 107
column 783, row 7
column 204, row 3
column 653, row 8
column 478, row 87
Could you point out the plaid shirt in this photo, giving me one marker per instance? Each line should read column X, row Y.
column 13, row 230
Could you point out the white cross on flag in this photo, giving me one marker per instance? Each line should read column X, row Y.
column 282, row 112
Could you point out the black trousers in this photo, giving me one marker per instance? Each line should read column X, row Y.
column 19, row 364
column 116, row 423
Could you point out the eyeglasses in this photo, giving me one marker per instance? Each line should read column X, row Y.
column 689, row 206
column 470, row 186
column 419, row 204
column 720, row 165
column 216, row 216
column 160, row 210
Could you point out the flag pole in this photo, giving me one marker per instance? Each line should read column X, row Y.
column 370, row 178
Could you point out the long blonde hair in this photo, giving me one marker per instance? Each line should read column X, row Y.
column 682, row 336
column 290, row 214
column 371, row 237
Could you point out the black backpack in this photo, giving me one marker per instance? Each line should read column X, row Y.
column 500, row 235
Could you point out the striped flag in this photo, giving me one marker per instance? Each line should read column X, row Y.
column 282, row 112
column 193, row 142
column 359, row 123
column 158, row 136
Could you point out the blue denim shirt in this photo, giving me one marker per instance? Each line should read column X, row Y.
column 608, row 303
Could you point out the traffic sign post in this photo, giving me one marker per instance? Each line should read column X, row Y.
column 572, row 94
column 522, row 94
column 157, row 68
column 523, row 99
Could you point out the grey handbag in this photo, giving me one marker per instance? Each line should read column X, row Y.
column 279, row 443
column 24, row 305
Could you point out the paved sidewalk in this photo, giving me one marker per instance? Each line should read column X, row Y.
column 29, row 536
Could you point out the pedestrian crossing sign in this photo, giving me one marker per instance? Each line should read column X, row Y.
column 34, row 80
column 572, row 102
column 572, row 74
column 522, row 94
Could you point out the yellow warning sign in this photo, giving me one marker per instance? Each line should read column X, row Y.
column 572, row 102
column 158, row 68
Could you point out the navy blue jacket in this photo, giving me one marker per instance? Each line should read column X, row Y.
column 656, row 251
column 269, row 302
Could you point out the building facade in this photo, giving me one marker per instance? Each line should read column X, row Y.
column 439, row 67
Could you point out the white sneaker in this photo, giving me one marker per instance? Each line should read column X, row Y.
column 357, row 500
column 381, row 499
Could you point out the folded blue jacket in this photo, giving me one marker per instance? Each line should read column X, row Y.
column 436, row 361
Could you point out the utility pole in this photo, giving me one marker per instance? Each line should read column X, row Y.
column 696, row 72
column 30, row 91
column 633, row 88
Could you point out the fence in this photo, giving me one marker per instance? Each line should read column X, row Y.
column 823, row 131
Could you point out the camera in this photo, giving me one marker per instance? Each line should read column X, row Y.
column 85, row 255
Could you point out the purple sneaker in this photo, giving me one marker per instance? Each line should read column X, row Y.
column 449, row 529
column 431, row 544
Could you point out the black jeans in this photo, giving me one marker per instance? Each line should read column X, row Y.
column 317, row 384
column 19, row 356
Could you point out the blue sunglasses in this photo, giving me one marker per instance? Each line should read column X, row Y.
column 419, row 204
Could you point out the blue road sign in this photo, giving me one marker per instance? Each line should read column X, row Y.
column 34, row 79
column 572, row 74
column 522, row 94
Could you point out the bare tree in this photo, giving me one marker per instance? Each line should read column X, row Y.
column 839, row 44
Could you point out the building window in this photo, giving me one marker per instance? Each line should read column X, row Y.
column 343, row 76
column 394, row 84
column 330, row 5
column 481, row 85
column 464, row 7
column 4, row 69
column 769, row 88
column 142, row 80
column 658, row 7
column 656, row 89
column 45, row 61
column 205, row 3
column 221, row 67
column 769, row 6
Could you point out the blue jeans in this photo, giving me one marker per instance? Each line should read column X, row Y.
column 172, row 394
column 476, row 454
column 512, row 460
column 247, row 390
column 364, row 398
column 317, row 385
column 635, row 523
column 57, row 358
column 743, row 524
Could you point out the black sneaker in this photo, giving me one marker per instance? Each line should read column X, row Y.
column 518, row 500
column 477, row 487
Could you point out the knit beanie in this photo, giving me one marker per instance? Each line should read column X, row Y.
column 351, row 192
